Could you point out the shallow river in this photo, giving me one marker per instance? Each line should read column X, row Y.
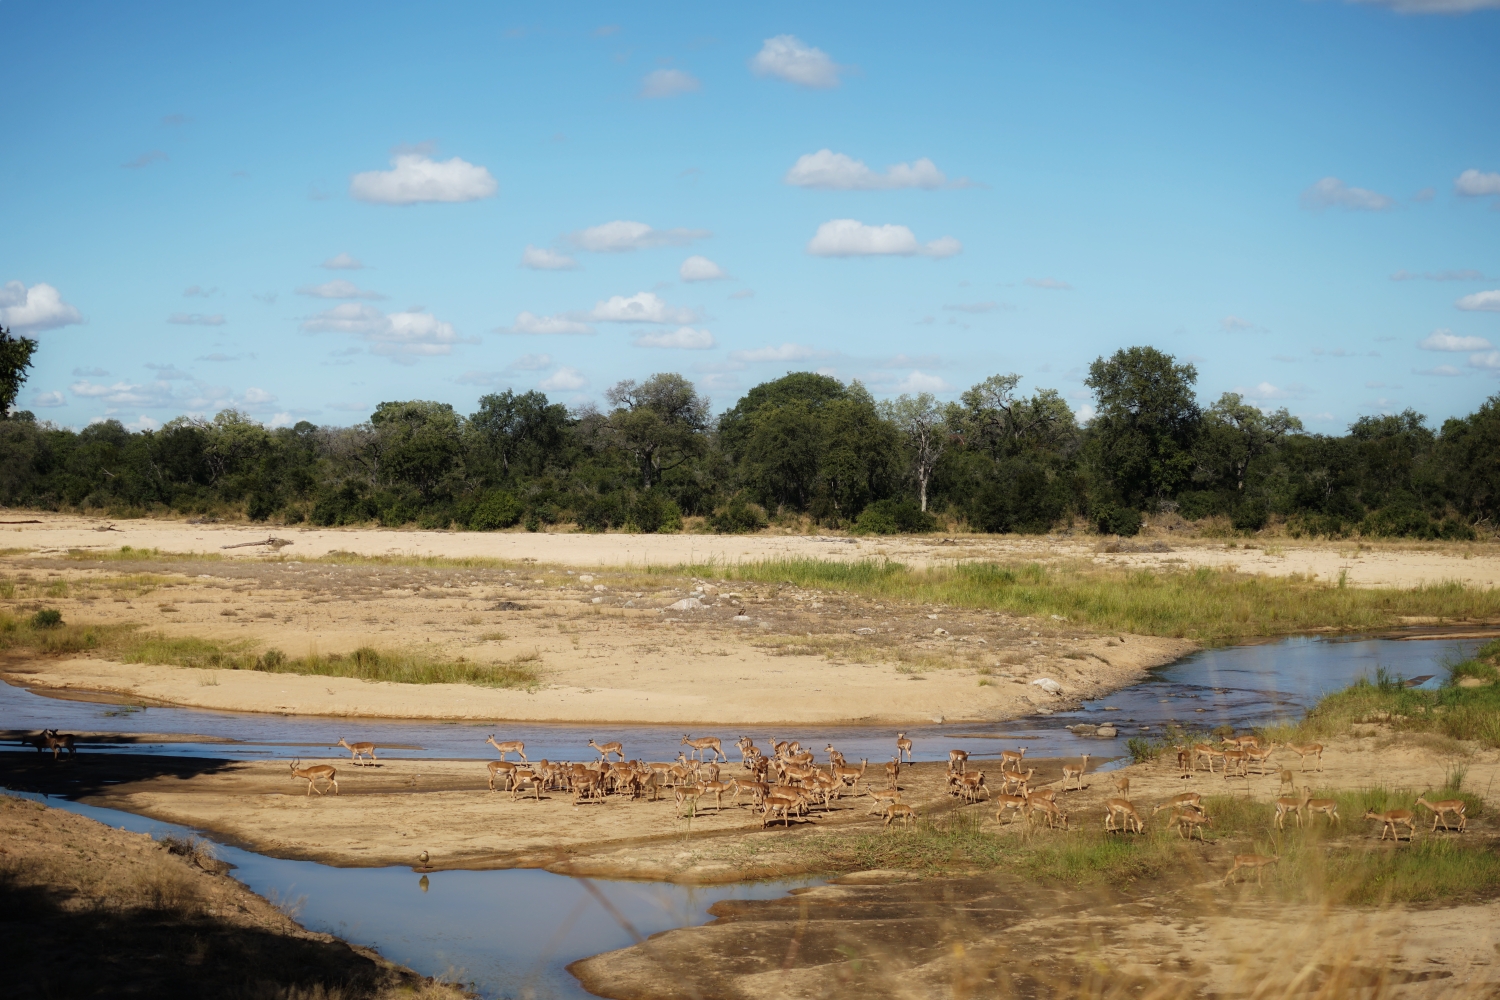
column 512, row 933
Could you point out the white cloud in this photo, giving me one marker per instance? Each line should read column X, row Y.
column 258, row 397
column 669, row 83
column 45, row 400
column 1233, row 324
column 971, row 307
column 532, row 363
column 786, row 352
column 1266, row 392
column 832, row 171
column 643, row 307
column 621, row 236
column 542, row 259
column 1051, row 284
column 1085, row 413
column 697, row 268
column 398, row 335
column 1445, row 371
column 196, row 319
column 527, row 322
column 168, row 373
column 29, row 310
column 415, row 177
column 343, row 262
column 1488, row 359
column 852, row 238
column 338, row 289
column 143, row 423
column 684, row 337
column 563, row 380
column 922, row 382
column 1446, row 340
column 1481, row 301
column 1476, row 185
column 788, row 58
column 1330, row 192
column 1433, row 6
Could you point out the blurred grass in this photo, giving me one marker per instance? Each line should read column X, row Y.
column 1203, row 604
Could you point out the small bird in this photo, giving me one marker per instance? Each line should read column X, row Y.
column 423, row 857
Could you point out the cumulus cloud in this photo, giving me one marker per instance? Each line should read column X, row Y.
column 1467, row 274
column 1051, row 284
column 401, row 336
column 971, row 307
column 1488, row 360
column 542, row 259
column 788, row 58
column 1481, row 301
column 621, row 236
column 669, row 83
column 145, row 160
column 785, row 352
column 532, row 363
column 1265, row 392
column 697, row 268
column 30, row 310
column 1433, row 6
column 1330, row 192
column 527, row 322
column 416, row 177
column 47, row 400
column 1445, row 340
column 684, row 338
column 343, row 262
column 1474, row 184
column 643, row 307
column 852, row 238
column 338, row 289
column 197, row 319
column 832, row 171
column 922, row 382
column 563, row 380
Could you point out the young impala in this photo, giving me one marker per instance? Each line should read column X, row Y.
column 508, row 746
column 1392, row 818
column 1439, row 808
column 358, row 750
column 325, row 771
column 1257, row 861
column 1074, row 774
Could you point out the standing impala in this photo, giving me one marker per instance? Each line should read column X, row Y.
column 1439, row 808
column 903, row 746
column 605, row 749
column 358, row 750
column 325, row 771
column 1012, row 759
column 702, row 744
column 1075, row 774
column 508, row 746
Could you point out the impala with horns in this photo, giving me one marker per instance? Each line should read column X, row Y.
column 312, row 774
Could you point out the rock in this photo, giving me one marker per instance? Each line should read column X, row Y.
column 864, row 631
column 598, row 600
column 741, row 618
column 1048, row 685
column 599, row 587
column 1083, row 729
column 939, row 631
column 686, row 604
column 1107, row 732
column 585, row 578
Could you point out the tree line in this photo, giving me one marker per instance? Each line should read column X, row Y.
column 805, row 445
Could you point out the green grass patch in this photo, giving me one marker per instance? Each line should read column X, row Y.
column 1207, row 605
column 126, row 553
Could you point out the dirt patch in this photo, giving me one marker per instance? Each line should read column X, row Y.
column 90, row 911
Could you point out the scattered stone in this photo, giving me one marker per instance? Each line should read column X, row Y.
column 865, row 631
column 1108, row 732
column 598, row 600
column 585, row 578
column 599, row 587
column 1048, row 685
column 939, row 631
column 741, row 618
column 686, row 604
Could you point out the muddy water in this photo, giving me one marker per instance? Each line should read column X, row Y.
column 1239, row 686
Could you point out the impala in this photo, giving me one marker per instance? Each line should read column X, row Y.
column 1457, row 807
column 893, row 771
column 504, row 768
column 903, row 746
column 1123, row 810
column 1190, row 820
column 758, row 791
column 1037, row 804
column 508, row 746
column 605, row 749
column 1015, row 802
column 851, row 775
column 747, row 748
column 1305, row 751
column 958, row 760
column 1328, row 807
column 1257, row 861
column 1074, row 774
column 971, row 784
column 906, row 813
column 325, row 771
column 1183, row 759
column 1235, row 759
column 1203, row 750
column 686, row 793
column 1288, row 780
column 834, row 757
column 1392, row 818
column 700, row 745
column 57, row 742
column 1011, row 759
column 783, row 803
column 1015, row 782
column 525, row 776
column 882, row 797
column 358, row 750
column 1286, row 805
column 1122, row 785
column 717, row 790
column 1193, row 799
column 1258, row 757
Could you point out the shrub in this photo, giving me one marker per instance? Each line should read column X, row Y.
column 1113, row 520
column 1250, row 515
column 653, row 512
column 740, row 516
column 499, row 509
column 600, row 512
column 889, row 517
column 47, row 618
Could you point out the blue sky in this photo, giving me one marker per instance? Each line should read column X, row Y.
column 303, row 210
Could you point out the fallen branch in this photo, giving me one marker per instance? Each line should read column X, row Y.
column 274, row 542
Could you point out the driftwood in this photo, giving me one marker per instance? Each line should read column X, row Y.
column 32, row 521
column 273, row 541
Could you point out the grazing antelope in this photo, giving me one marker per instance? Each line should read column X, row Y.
column 958, row 761
column 907, row 814
column 903, row 746
column 1015, row 802
column 700, row 745
column 1257, row 861
column 504, row 768
column 1190, row 821
column 508, row 746
column 1328, row 807
column 313, row 773
column 526, row 776
column 1178, row 801
column 1392, row 818
column 57, row 742
column 1286, row 805
column 605, row 749
column 1075, row 774
column 1011, row 759
column 1314, row 750
column 358, row 750
column 971, row 784
column 881, row 797
column 1457, row 807
column 1125, row 812
column 1045, row 806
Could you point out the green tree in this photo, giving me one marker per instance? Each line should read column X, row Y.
column 1234, row 434
column 1146, row 423
column 661, row 422
column 417, row 444
column 15, row 362
column 517, row 433
column 920, row 420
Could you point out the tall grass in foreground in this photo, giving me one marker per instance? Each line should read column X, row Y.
column 1208, row 605
column 129, row 645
